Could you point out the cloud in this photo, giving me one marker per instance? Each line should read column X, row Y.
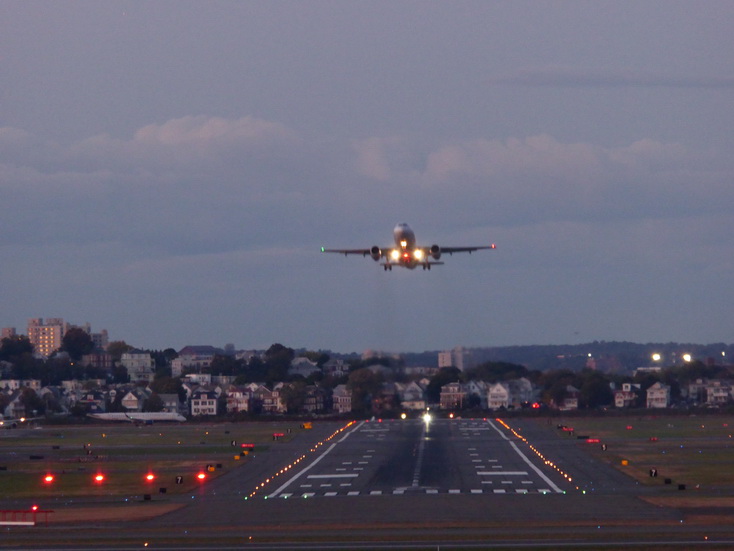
column 563, row 76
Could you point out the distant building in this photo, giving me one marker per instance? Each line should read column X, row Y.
column 140, row 365
column 8, row 333
column 498, row 396
column 658, row 396
column 452, row 358
column 203, row 402
column 452, row 396
column 46, row 337
column 194, row 358
column 342, row 399
column 627, row 397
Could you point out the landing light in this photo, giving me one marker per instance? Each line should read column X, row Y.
column 418, row 254
column 394, row 254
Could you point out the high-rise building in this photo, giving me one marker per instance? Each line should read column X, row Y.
column 46, row 337
column 452, row 358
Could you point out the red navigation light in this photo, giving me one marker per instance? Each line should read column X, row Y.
column 49, row 478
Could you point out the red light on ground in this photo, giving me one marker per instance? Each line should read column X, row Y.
column 150, row 477
column 629, row 427
column 34, row 508
column 99, row 478
column 48, row 479
column 536, row 405
column 592, row 440
column 201, row 476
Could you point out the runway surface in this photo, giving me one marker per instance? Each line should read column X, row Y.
column 466, row 480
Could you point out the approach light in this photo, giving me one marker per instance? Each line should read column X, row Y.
column 426, row 418
column 403, row 415
column 687, row 358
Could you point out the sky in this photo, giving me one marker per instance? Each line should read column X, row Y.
column 169, row 170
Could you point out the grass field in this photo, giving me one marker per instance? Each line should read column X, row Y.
column 125, row 454
column 697, row 451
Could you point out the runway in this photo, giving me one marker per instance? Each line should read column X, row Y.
column 450, row 481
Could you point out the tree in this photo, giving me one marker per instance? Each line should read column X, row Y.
column 294, row 396
column 364, row 384
column 76, row 343
column 117, row 348
column 595, row 391
column 13, row 347
column 153, row 403
column 444, row 376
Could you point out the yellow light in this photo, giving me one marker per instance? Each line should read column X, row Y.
column 418, row 254
column 394, row 254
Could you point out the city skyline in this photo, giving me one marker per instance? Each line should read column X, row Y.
column 170, row 171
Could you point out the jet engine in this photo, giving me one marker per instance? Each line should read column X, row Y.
column 376, row 253
column 435, row 252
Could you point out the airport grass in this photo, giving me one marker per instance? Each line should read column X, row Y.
column 691, row 450
column 125, row 454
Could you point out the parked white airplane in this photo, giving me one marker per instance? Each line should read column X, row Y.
column 405, row 253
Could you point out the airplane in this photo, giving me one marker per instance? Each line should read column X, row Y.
column 405, row 253
column 134, row 417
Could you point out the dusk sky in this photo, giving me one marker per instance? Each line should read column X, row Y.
column 169, row 170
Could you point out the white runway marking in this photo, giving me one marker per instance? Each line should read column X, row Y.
column 536, row 469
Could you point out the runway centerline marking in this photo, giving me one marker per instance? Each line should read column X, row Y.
column 337, row 475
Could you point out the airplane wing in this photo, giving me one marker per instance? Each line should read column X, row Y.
column 452, row 250
column 345, row 252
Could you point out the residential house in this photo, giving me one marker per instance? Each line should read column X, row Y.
column 498, row 396
column 194, row 359
column 412, row 395
column 342, row 399
column 570, row 399
column 238, row 399
column 627, row 396
column 658, row 396
column 302, row 366
column 203, row 402
column 452, row 396
column 134, row 399
column 140, row 365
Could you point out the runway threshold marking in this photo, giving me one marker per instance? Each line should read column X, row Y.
column 524, row 458
column 319, row 458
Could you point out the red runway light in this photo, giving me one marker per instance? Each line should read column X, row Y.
column 48, row 479
column 99, row 478
column 150, row 477
column 201, row 476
